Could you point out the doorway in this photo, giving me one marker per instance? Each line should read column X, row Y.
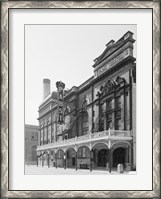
column 102, row 158
column 119, row 156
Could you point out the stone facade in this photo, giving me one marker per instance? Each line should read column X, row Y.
column 99, row 116
column 31, row 142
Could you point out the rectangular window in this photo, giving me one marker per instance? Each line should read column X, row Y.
column 41, row 137
column 109, row 116
column 109, row 105
column 59, row 154
column 109, row 125
column 85, row 130
column 79, row 152
column 82, row 152
column 102, row 126
column 118, row 102
column 49, row 133
column 45, row 134
column 118, row 124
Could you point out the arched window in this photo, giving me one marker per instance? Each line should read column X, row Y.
column 84, row 105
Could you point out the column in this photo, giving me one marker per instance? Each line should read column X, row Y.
column 48, row 159
column 56, row 160
column 90, row 152
column 105, row 122
column 127, row 99
column 76, row 160
column 47, row 132
column 42, row 160
column 122, row 111
column 43, row 135
column 113, row 114
column 65, row 160
column 127, row 155
column 130, row 156
column 37, row 160
column 110, row 164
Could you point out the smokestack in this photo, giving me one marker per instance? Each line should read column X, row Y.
column 46, row 87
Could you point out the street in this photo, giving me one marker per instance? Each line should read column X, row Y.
column 34, row 170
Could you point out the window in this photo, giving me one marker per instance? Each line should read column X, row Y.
column 118, row 114
column 109, row 125
column 84, row 106
column 118, row 124
column 109, row 105
column 109, row 120
column 85, row 117
column 102, row 126
column 41, row 137
column 34, row 153
column 85, row 123
column 118, row 102
column 65, row 137
column 49, row 133
column 82, row 152
column 45, row 135
column 60, row 154
column 52, row 132
column 109, row 116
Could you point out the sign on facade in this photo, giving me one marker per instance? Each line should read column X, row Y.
column 60, row 87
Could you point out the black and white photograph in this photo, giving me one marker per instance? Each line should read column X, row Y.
column 80, row 99
column 81, row 80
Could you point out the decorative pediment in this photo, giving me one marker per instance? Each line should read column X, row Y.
column 109, row 49
column 111, row 85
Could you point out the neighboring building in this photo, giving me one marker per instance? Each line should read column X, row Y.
column 93, row 125
column 31, row 142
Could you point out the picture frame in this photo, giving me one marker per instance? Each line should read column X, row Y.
column 6, row 6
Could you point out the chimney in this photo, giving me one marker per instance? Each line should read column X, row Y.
column 46, row 87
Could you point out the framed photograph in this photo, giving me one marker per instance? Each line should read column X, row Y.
column 80, row 99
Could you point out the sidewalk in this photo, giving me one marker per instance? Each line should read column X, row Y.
column 34, row 170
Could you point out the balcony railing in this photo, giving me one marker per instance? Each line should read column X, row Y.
column 108, row 134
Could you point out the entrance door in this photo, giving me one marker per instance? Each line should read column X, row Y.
column 73, row 161
column 102, row 158
column 119, row 156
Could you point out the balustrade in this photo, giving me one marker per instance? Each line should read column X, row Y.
column 108, row 134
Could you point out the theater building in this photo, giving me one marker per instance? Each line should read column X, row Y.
column 93, row 126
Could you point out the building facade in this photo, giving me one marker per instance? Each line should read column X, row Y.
column 31, row 142
column 94, row 125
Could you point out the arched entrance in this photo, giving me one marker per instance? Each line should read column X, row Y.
column 60, row 158
column 119, row 156
column 71, row 158
column 100, row 154
column 102, row 158
column 83, row 157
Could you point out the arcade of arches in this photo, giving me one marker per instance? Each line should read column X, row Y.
column 97, row 158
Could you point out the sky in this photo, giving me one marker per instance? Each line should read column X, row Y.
column 63, row 52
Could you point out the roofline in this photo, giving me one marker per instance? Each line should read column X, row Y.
column 31, row 125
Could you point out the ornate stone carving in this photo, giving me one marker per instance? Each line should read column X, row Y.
column 120, row 81
column 110, row 86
